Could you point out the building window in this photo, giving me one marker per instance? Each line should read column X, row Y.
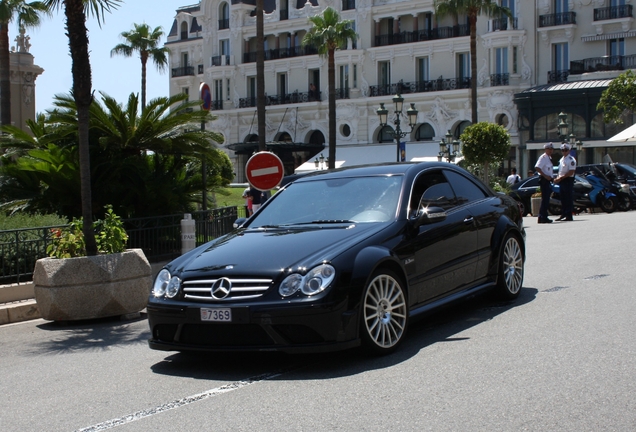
column 385, row 135
column 514, row 60
column 186, row 91
column 501, row 60
column 463, row 65
column 560, row 57
column 424, row 133
column 561, row 6
column 384, row 73
column 510, row 4
column 355, row 76
column 422, row 69
column 224, row 20
column 344, row 77
column 616, row 47
column 184, row 30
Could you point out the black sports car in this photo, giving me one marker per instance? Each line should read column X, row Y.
column 339, row 258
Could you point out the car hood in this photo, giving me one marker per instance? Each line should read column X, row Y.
column 268, row 251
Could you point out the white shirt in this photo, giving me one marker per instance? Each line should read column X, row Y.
column 566, row 164
column 513, row 178
column 544, row 164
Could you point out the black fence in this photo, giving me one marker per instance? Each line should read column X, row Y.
column 159, row 237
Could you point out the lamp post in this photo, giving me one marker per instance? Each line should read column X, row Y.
column 448, row 149
column 398, row 134
column 320, row 162
column 563, row 129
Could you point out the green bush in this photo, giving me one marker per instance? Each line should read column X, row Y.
column 23, row 220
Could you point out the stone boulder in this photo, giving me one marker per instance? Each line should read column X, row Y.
column 92, row 287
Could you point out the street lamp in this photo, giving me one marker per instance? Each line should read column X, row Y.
column 411, row 113
column 320, row 162
column 563, row 129
column 448, row 149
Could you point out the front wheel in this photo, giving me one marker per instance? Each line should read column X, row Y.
column 384, row 312
column 624, row 202
column 511, row 267
column 608, row 205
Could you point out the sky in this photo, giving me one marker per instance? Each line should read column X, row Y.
column 117, row 76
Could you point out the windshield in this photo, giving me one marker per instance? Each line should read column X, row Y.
column 353, row 199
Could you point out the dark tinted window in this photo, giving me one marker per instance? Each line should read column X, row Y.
column 431, row 189
column 465, row 189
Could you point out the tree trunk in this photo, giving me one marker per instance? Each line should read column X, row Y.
column 473, row 67
column 331, row 78
column 144, row 60
column 81, row 71
column 5, row 76
column 260, row 75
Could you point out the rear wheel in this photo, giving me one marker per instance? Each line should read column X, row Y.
column 384, row 312
column 624, row 202
column 511, row 267
column 608, row 205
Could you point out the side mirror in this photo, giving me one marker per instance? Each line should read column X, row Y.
column 237, row 223
column 429, row 215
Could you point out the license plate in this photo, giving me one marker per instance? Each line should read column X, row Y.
column 216, row 314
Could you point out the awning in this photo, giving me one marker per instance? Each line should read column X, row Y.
column 376, row 153
column 628, row 135
column 606, row 36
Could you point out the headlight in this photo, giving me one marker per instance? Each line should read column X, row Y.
column 173, row 287
column 314, row 282
column 161, row 283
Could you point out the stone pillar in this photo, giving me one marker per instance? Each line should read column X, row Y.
column 188, row 234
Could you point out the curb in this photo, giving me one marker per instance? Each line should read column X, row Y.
column 23, row 310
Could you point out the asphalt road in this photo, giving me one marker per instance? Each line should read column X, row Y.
column 561, row 358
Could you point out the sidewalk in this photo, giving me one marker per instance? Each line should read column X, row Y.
column 17, row 303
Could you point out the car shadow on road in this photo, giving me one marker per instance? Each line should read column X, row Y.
column 441, row 326
column 95, row 334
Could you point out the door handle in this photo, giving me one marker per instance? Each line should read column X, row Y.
column 469, row 220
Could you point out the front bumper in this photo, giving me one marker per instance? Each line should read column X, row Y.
column 289, row 327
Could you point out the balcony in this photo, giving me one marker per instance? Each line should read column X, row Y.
column 224, row 24
column 220, row 60
column 216, row 105
column 274, row 54
column 613, row 12
column 500, row 79
column 422, row 35
column 558, row 76
column 401, row 87
column 182, row 71
column 284, row 14
column 348, row 4
column 557, row 19
column 282, row 99
column 342, row 93
column 605, row 63
column 505, row 23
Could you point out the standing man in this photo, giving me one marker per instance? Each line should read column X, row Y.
column 256, row 198
column 513, row 177
column 567, row 169
column 544, row 169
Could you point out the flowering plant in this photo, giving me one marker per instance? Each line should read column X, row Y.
column 110, row 237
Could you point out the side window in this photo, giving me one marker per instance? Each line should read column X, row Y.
column 431, row 189
column 465, row 189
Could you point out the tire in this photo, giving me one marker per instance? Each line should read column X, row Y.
column 384, row 313
column 608, row 205
column 624, row 203
column 510, row 269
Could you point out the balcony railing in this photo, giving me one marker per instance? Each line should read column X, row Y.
column 273, row 54
column 558, row 76
column 282, row 99
column 422, row 35
column 504, row 23
column 216, row 105
column 613, row 12
column 284, row 14
column 247, row 2
column 557, row 19
column 605, row 63
column 224, row 24
column 342, row 93
column 500, row 79
column 182, row 71
column 348, row 4
column 220, row 60
column 401, row 87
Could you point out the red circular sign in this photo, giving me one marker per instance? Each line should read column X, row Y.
column 264, row 171
column 206, row 97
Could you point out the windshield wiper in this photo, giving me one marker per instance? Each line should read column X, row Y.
column 331, row 221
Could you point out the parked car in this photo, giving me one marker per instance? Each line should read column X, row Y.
column 522, row 192
column 342, row 258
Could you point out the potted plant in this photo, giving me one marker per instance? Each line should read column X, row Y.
column 535, row 202
column 72, row 286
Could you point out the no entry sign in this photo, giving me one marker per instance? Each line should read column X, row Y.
column 264, row 171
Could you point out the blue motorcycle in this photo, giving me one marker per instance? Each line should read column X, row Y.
column 590, row 190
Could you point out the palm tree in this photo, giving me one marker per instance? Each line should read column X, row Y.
column 471, row 8
column 28, row 15
column 328, row 34
column 75, row 11
column 146, row 42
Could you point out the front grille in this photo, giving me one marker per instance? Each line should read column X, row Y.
column 218, row 335
column 242, row 289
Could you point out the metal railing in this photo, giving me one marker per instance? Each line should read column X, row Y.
column 281, row 53
column 224, row 24
column 159, row 237
column 342, row 93
column 504, row 23
column 439, row 84
column 605, row 63
column 422, row 35
column 558, row 76
column 500, row 79
column 281, row 99
column 182, row 71
column 613, row 12
column 556, row 19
